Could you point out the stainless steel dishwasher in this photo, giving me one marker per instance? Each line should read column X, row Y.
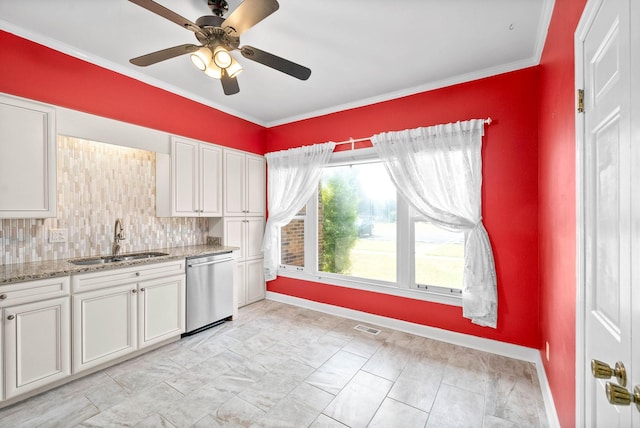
column 209, row 290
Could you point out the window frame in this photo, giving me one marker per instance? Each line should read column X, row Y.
column 405, row 285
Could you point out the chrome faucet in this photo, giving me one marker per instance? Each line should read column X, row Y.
column 118, row 235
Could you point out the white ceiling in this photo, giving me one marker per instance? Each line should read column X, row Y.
column 359, row 51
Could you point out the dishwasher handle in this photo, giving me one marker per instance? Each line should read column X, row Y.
column 214, row 262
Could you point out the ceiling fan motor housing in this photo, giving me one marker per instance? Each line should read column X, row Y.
column 215, row 34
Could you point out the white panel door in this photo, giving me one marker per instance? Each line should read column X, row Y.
column 37, row 344
column 240, row 283
column 234, row 183
column 104, row 325
column 256, row 185
column 184, row 158
column 210, row 180
column 608, row 214
column 254, row 233
column 161, row 305
column 235, row 231
column 255, row 280
column 27, row 159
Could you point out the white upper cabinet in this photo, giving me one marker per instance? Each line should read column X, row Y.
column 189, row 181
column 245, row 184
column 27, row 159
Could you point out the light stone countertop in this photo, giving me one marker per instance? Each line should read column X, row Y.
column 10, row 274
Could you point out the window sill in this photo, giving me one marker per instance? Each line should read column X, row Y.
column 359, row 284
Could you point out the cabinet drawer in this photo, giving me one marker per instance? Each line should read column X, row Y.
column 127, row 275
column 33, row 291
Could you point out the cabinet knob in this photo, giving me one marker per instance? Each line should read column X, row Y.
column 3, row 296
column 137, row 273
column 10, row 317
column 134, row 291
column 142, row 290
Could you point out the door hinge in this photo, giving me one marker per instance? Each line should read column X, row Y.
column 580, row 100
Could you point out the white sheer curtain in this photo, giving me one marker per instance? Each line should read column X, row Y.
column 439, row 171
column 293, row 175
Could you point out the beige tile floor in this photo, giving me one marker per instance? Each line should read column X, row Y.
column 283, row 366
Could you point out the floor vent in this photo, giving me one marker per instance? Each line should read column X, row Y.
column 367, row 329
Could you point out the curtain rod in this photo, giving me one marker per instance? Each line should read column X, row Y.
column 352, row 141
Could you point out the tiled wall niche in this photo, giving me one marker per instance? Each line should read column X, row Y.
column 98, row 183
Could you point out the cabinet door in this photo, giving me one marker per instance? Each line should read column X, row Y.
column 38, row 347
column 104, row 325
column 2, row 348
column 235, row 235
column 254, row 234
column 161, row 305
column 255, row 280
column 234, row 183
column 184, row 158
column 256, row 185
column 27, row 159
column 240, row 283
column 210, row 180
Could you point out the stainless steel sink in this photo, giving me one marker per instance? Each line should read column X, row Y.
column 112, row 259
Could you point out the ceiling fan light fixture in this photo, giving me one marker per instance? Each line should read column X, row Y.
column 201, row 58
column 234, row 68
column 213, row 71
column 222, row 57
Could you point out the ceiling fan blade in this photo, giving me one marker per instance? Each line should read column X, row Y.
column 158, row 9
column 158, row 56
column 275, row 62
column 229, row 84
column 248, row 14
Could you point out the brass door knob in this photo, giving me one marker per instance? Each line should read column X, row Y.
column 619, row 396
column 602, row 370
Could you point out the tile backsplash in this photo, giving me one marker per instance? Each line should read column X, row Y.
column 98, row 183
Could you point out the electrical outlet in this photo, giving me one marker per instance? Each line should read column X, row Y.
column 547, row 350
column 58, row 235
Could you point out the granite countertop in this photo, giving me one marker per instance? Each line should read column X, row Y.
column 10, row 274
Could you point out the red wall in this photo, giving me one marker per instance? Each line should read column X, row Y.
column 510, row 204
column 529, row 175
column 557, row 208
column 33, row 71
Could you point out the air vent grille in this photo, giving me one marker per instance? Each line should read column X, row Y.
column 367, row 329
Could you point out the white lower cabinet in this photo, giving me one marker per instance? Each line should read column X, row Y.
column 106, row 315
column 245, row 233
column 104, row 325
column 36, row 334
column 37, row 345
column 161, row 304
column 249, row 281
column 240, row 284
column 255, row 280
column 144, row 308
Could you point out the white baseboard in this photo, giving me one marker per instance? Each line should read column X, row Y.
column 487, row 345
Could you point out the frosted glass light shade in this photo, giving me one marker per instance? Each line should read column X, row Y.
column 234, row 68
column 222, row 57
column 201, row 58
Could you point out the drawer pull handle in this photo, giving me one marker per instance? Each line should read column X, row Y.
column 11, row 317
column 3, row 296
column 137, row 273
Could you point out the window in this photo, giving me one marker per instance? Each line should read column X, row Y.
column 357, row 231
column 292, row 241
column 438, row 256
column 357, row 222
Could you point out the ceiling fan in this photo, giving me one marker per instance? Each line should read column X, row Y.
column 218, row 37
